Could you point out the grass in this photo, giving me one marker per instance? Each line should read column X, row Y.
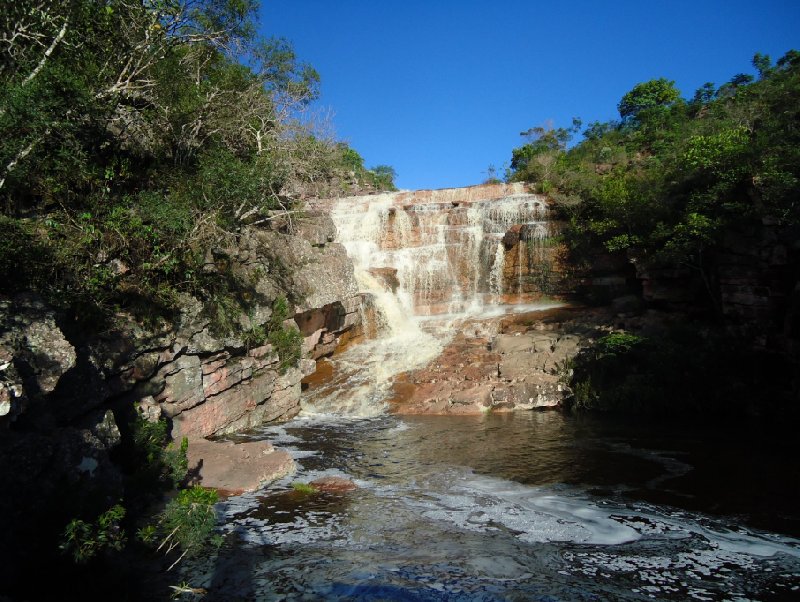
column 304, row 488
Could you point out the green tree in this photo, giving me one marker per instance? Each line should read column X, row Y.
column 654, row 94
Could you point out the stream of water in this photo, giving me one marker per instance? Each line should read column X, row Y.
column 528, row 506
column 523, row 506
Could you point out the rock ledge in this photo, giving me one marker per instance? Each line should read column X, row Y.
column 234, row 468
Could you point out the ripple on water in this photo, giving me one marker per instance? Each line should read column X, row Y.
column 424, row 525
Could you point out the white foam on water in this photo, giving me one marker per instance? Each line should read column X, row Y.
column 479, row 503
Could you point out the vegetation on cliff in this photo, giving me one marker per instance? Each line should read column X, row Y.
column 138, row 135
column 708, row 187
column 687, row 369
column 141, row 142
column 672, row 175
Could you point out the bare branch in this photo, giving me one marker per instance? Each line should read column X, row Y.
column 61, row 33
column 20, row 156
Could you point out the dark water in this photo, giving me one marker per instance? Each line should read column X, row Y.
column 527, row 506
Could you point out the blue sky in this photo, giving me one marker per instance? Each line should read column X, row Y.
column 441, row 89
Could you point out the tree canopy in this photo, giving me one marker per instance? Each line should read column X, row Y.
column 653, row 94
column 140, row 132
column 668, row 181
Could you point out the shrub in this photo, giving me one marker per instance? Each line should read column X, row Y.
column 188, row 522
column 287, row 341
column 85, row 540
column 617, row 343
column 157, row 460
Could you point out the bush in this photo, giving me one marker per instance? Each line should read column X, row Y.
column 84, row 540
column 188, row 522
column 616, row 344
column 158, row 460
column 287, row 341
column 686, row 369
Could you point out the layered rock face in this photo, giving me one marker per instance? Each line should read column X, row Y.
column 514, row 363
column 63, row 383
column 443, row 251
column 207, row 381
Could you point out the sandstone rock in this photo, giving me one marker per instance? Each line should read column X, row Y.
column 28, row 330
column 316, row 227
column 333, row 484
column 522, row 368
column 217, row 413
column 184, row 384
column 236, row 468
column 322, row 328
column 149, row 409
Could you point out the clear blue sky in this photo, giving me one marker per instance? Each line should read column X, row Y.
column 441, row 89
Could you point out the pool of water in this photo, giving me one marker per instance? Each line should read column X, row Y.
column 525, row 506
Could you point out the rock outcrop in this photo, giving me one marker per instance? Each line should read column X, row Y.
column 208, row 380
column 235, row 468
column 210, row 371
column 518, row 363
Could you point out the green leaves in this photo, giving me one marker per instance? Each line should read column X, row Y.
column 654, row 94
column 672, row 178
column 286, row 340
column 85, row 540
column 617, row 344
column 188, row 521
column 719, row 152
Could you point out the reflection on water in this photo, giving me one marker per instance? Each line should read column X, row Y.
column 526, row 506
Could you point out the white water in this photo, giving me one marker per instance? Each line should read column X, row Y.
column 496, row 277
column 447, row 259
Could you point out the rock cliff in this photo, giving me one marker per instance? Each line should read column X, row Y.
column 65, row 384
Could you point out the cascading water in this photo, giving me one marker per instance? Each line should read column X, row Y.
column 445, row 256
column 426, row 264
column 496, row 276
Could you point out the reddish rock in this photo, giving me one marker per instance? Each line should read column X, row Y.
column 387, row 276
column 333, row 484
column 236, row 468
column 220, row 411
column 522, row 368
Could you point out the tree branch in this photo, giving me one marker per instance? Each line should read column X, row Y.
column 62, row 32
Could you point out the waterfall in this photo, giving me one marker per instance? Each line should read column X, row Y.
column 427, row 259
column 445, row 248
column 496, row 276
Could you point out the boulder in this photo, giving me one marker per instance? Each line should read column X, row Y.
column 333, row 484
column 235, row 468
column 40, row 351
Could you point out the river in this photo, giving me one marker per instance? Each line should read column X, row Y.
column 524, row 506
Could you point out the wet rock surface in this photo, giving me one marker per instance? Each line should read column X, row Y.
column 333, row 484
column 524, row 365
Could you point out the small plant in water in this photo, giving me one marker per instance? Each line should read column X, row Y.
column 183, row 588
column 304, row 488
